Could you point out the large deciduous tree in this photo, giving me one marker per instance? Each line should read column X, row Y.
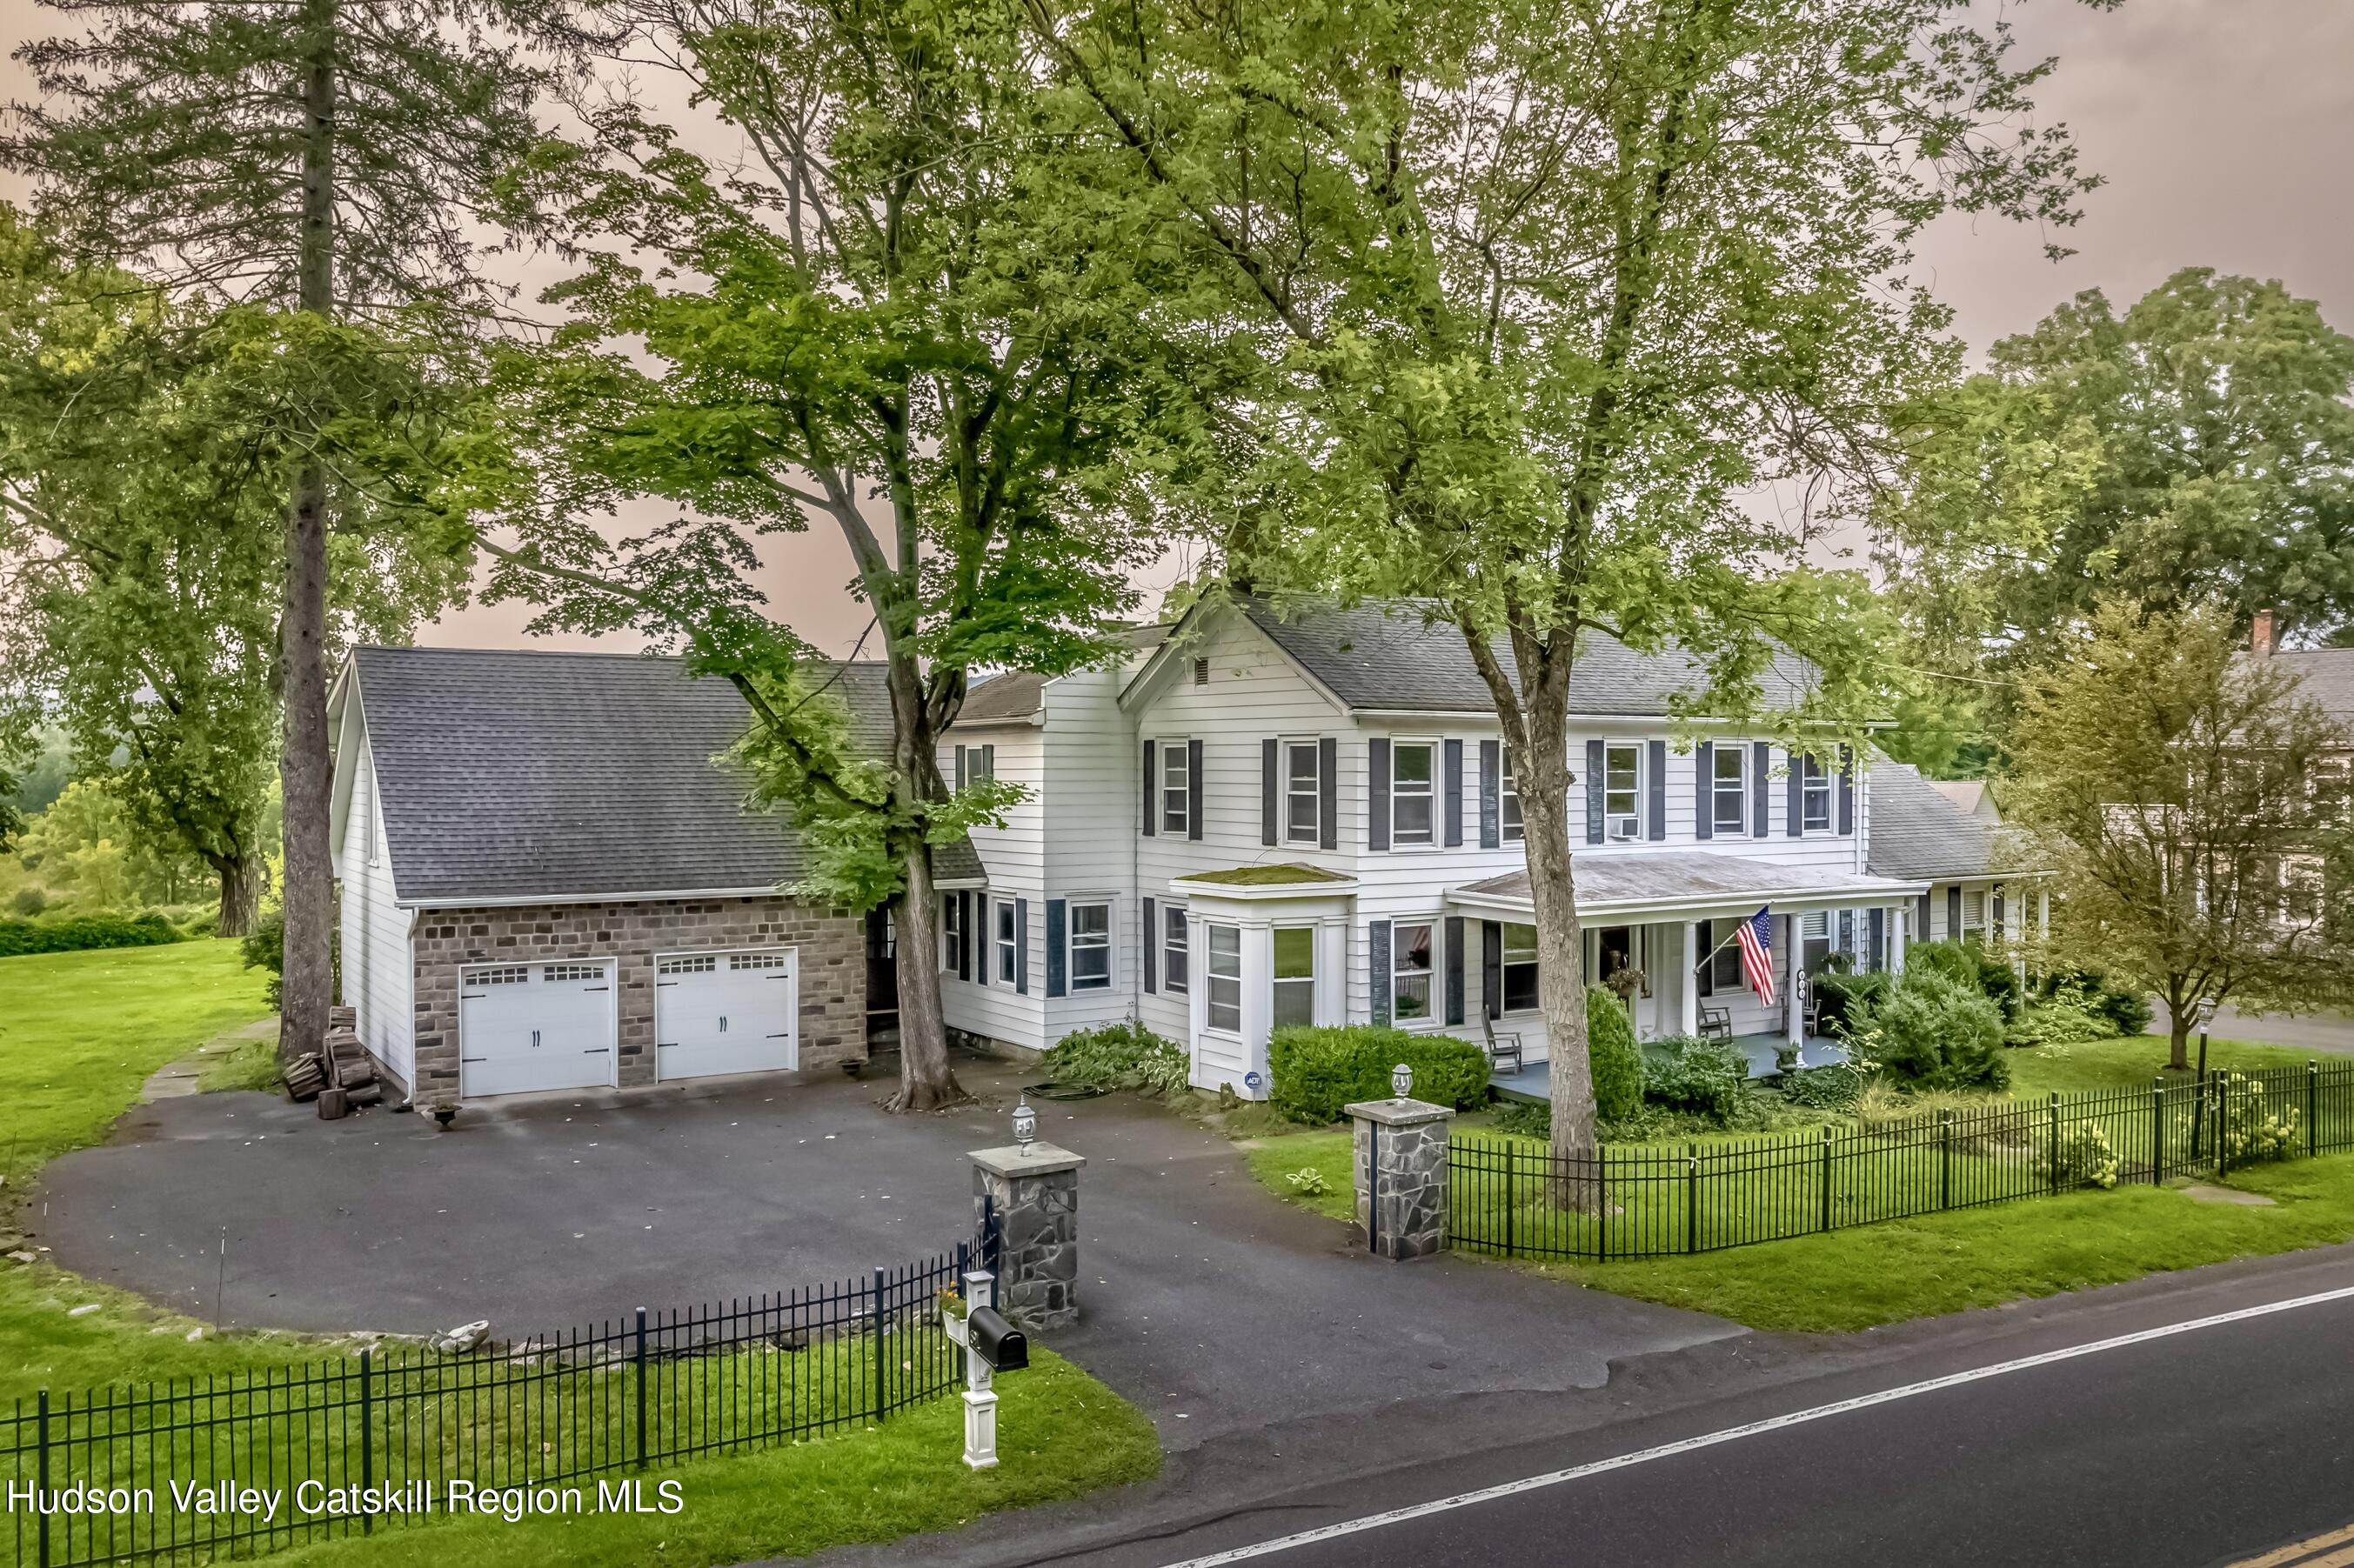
column 1543, row 293
column 2196, row 450
column 322, row 156
column 2188, row 803
column 909, row 321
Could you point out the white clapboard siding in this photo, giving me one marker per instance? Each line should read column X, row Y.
column 1090, row 850
column 378, row 980
column 1015, row 859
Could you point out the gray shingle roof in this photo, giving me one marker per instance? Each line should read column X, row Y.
column 1917, row 832
column 512, row 774
column 2327, row 677
column 1385, row 656
column 1002, row 697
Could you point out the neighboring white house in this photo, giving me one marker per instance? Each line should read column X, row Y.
column 1266, row 816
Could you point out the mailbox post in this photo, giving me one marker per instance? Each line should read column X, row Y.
column 991, row 1345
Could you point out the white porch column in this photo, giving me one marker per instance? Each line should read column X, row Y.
column 1333, row 970
column 1688, row 987
column 1900, row 920
column 1793, row 1015
column 1259, row 995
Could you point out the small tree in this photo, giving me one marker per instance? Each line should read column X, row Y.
column 2172, row 786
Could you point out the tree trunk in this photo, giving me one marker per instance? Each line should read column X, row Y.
column 2178, row 1008
column 240, row 894
column 1575, row 1179
column 304, row 770
column 926, row 1081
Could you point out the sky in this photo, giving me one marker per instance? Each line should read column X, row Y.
column 2221, row 127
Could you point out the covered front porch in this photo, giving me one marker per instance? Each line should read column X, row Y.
column 1659, row 929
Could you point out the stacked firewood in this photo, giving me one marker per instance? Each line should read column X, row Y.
column 341, row 1074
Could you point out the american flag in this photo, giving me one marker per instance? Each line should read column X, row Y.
column 1756, row 940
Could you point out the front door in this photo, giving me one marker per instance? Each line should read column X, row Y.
column 1619, row 961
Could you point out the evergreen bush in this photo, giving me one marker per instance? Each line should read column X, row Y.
column 1316, row 1071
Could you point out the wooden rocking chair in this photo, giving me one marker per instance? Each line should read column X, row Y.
column 1502, row 1048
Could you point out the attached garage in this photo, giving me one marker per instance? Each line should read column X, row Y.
column 528, row 1027
column 717, row 1013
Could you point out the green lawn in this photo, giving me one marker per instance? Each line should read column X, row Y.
column 81, row 1032
column 2130, row 1062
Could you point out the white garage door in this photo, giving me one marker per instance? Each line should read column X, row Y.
column 535, row 1026
column 727, row 1012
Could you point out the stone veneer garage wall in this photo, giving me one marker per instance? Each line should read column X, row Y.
column 833, row 969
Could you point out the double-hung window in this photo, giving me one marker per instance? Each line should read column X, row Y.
column 1507, row 803
column 1176, row 788
column 1728, row 791
column 1007, row 938
column 1090, row 944
column 1724, row 951
column 1303, row 792
column 1414, row 779
column 1622, row 789
column 1410, row 953
column 1295, row 975
column 1974, row 914
column 951, row 931
column 1176, row 957
column 1223, row 1009
column 1520, row 967
column 1814, row 795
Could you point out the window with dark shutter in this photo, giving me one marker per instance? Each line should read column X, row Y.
column 1377, row 790
column 1703, row 773
column 1451, row 790
column 1270, row 789
column 1328, row 793
column 1491, row 794
column 1148, row 932
column 1193, row 790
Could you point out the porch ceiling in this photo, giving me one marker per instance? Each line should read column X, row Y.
column 1688, row 883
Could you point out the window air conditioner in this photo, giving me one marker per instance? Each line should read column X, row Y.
column 1626, row 828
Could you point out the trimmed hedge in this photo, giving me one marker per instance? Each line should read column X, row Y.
column 1318, row 1071
column 76, row 932
column 1616, row 1060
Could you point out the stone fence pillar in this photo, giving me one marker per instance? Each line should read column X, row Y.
column 1037, row 1199
column 1400, row 1171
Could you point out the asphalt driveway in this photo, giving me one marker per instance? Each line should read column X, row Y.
column 1215, row 1305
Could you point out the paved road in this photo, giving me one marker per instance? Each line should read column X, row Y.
column 2207, row 1447
column 1216, row 1308
column 2325, row 1031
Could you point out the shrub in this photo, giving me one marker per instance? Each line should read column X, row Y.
column 1318, row 1071
column 2128, row 1011
column 1524, row 1118
column 1823, row 1088
column 1709, row 1078
column 1837, row 996
column 2068, row 1016
column 1930, row 1030
column 29, row 901
column 2252, row 1128
column 1616, row 1060
column 2085, row 1160
column 1125, row 1055
column 80, row 932
column 1969, row 965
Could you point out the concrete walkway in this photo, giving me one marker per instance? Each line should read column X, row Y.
column 1215, row 1305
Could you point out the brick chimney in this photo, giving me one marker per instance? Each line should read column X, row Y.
column 2263, row 637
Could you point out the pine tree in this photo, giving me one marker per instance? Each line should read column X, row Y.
column 319, row 157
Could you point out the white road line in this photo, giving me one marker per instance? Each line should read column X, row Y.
column 1753, row 1429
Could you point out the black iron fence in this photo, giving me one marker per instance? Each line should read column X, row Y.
column 199, row 1470
column 1514, row 1197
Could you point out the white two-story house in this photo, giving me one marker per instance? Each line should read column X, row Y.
column 1266, row 815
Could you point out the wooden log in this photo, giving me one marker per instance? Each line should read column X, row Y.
column 333, row 1106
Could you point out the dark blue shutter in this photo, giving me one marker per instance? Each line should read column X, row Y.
column 1594, row 787
column 1922, row 934
column 1761, row 763
column 1953, row 913
column 1659, row 791
column 1704, row 790
column 1150, row 792
column 1847, row 791
column 1455, row 968
column 964, row 935
column 1150, row 943
column 1491, row 794
column 1794, row 794
column 1193, row 789
column 1994, row 902
column 984, row 953
column 988, row 761
column 1878, row 956
column 1491, row 968
column 959, row 767
column 1377, row 949
column 1377, row 807
column 1021, row 946
column 1451, row 757
column 1328, row 793
column 1054, row 958
column 1267, row 787
column 1704, row 935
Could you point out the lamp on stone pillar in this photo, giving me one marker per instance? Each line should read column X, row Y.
column 1025, row 1125
column 1402, row 1081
